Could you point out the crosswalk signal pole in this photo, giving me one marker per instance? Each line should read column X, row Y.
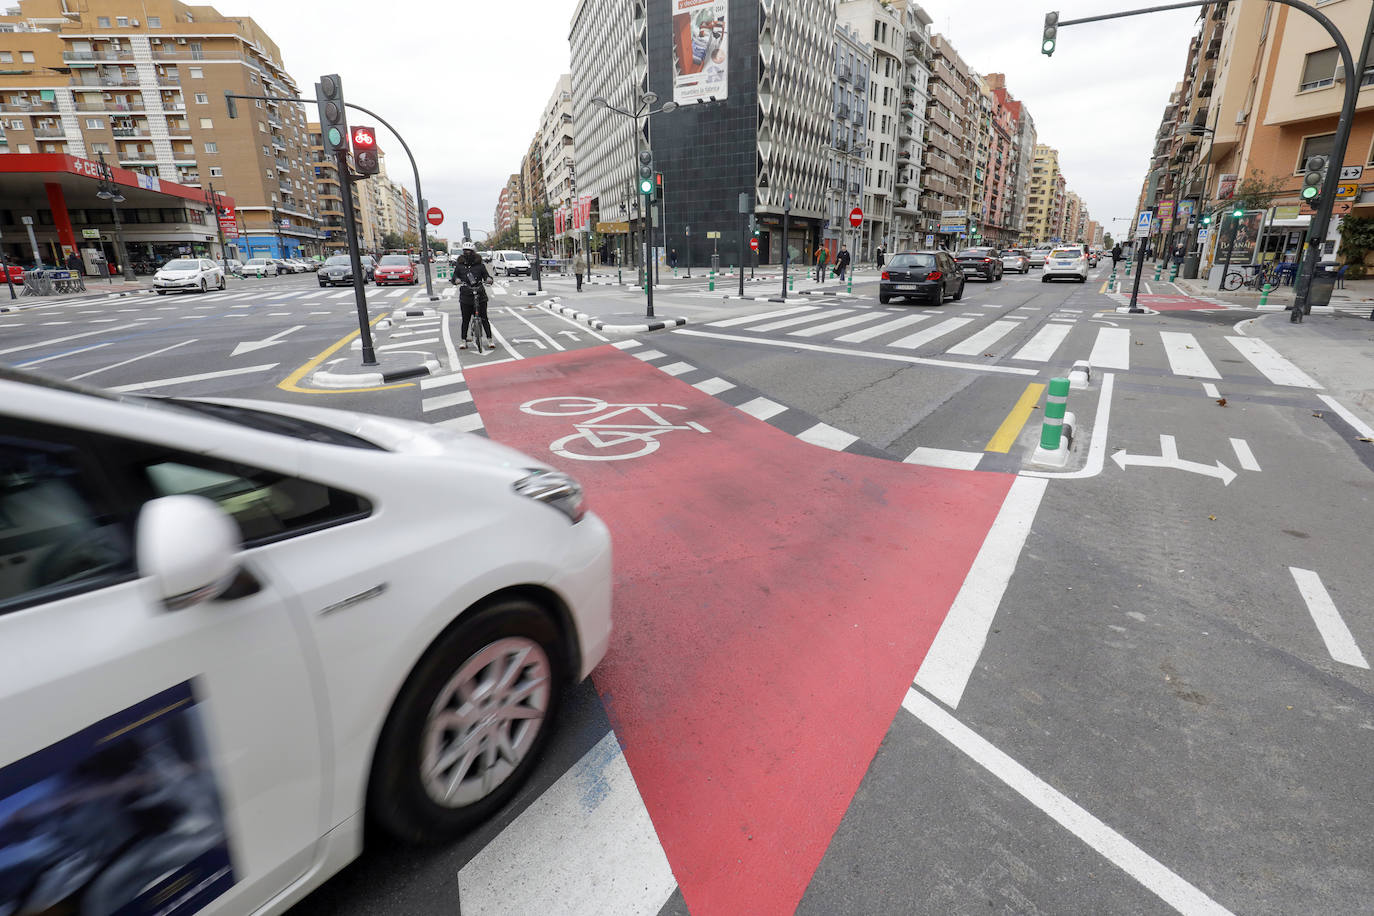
column 1135, row 308
column 745, row 205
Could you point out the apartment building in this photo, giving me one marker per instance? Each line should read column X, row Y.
column 881, row 25
column 557, row 144
column 848, row 139
column 951, row 144
column 329, row 196
column 507, row 205
column 999, row 185
column 533, row 194
column 144, row 84
column 909, row 228
column 1044, row 198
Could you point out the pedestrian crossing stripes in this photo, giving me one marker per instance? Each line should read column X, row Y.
column 921, row 338
column 1044, row 344
column 978, row 343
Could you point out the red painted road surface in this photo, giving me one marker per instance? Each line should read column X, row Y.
column 773, row 602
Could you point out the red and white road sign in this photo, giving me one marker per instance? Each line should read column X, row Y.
column 434, row 216
column 754, row 244
column 856, row 217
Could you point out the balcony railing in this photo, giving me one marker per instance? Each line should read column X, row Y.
column 131, row 132
column 97, row 81
column 49, row 133
column 844, row 73
column 110, row 105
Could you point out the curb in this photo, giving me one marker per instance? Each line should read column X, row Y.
column 323, row 378
column 596, row 324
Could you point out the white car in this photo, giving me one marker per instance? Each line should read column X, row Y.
column 235, row 632
column 1070, row 262
column 510, row 263
column 261, row 267
column 188, row 275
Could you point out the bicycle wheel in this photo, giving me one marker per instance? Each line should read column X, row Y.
column 1232, row 281
column 479, row 335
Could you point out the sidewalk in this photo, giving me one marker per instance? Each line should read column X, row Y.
column 1336, row 350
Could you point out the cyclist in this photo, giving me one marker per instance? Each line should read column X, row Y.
column 469, row 275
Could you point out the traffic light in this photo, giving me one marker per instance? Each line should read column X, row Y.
column 1207, row 219
column 1238, row 211
column 1313, row 180
column 646, row 172
column 753, row 226
column 364, row 150
column 1051, row 31
column 787, row 202
column 333, row 118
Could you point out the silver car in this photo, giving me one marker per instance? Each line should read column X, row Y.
column 188, row 275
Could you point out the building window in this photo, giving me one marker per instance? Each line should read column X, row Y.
column 1319, row 69
column 216, row 171
column 154, row 22
column 207, row 123
column 102, row 22
column 122, row 21
column 26, row 56
column 212, row 147
column 202, row 99
column 6, row 57
column 100, row 147
column 1319, row 145
column 258, row 103
column 16, row 124
column 24, row 148
column 95, row 124
column 253, row 78
column 197, row 73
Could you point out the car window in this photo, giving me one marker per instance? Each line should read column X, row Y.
column 912, row 260
column 338, row 260
column 400, row 259
column 1067, row 253
column 57, row 534
column 181, row 264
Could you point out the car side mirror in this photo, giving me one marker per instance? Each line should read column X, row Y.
column 189, row 547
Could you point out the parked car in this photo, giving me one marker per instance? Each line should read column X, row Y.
column 188, row 275
column 238, row 631
column 338, row 270
column 298, row 266
column 1070, row 262
column 312, row 264
column 510, row 263
column 261, row 267
column 931, row 276
column 395, row 268
column 980, row 262
column 1016, row 260
column 1038, row 256
column 16, row 274
column 234, row 266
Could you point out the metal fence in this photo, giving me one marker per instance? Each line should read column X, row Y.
column 52, row 282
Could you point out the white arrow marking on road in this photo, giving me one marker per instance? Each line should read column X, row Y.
column 248, row 346
column 537, row 343
column 569, row 334
column 1169, row 459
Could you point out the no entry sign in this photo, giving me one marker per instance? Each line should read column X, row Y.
column 856, row 217
column 434, row 216
column 754, row 244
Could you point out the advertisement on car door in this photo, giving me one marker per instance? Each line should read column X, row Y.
column 122, row 817
column 700, row 51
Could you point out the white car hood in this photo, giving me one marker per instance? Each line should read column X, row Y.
column 405, row 436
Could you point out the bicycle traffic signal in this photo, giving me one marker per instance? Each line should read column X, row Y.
column 1313, row 179
column 1207, row 219
column 365, row 151
column 333, row 118
column 1238, row 212
column 646, row 172
column 1051, row 32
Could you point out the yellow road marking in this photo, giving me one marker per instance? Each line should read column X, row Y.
column 1006, row 434
column 1104, row 287
column 292, row 381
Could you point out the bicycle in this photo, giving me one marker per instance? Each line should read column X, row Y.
column 481, row 342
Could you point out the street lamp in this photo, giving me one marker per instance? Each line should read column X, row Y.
column 643, row 109
column 106, row 189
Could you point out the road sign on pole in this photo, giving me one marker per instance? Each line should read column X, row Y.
column 754, row 244
column 434, row 216
column 1142, row 226
column 856, row 217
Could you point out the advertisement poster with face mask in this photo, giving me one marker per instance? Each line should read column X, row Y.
column 700, row 51
column 123, row 817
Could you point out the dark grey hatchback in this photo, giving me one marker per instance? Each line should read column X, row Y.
column 933, row 276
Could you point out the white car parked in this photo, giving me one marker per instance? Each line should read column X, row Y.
column 261, row 267
column 236, row 631
column 188, row 275
column 1070, row 262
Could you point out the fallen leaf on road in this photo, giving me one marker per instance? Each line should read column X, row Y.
column 1365, row 439
column 1318, row 414
column 1211, row 518
column 1221, row 401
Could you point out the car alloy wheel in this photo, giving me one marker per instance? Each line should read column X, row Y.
column 203, row 287
column 221, row 282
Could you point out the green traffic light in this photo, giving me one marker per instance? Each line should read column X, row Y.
column 1309, row 192
column 1047, row 47
column 335, row 138
column 1237, row 213
column 646, row 186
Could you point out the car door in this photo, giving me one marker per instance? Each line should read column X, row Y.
column 152, row 760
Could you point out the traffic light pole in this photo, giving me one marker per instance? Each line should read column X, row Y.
column 648, row 258
column 1140, row 246
column 786, row 214
column 359, row 278
column 743, row 247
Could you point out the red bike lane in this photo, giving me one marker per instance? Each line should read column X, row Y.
column 773, row 602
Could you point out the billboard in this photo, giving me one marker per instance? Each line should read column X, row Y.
column 700, row 50
column 1226, row 185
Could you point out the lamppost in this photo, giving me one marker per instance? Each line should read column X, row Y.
column 212, row 198
column 106, row 189
column 643, row 109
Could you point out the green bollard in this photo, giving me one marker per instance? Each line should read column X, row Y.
column 711, row 286
column 850, row 287
column 1056, row 402
column 1264, row 294
column 791, row 283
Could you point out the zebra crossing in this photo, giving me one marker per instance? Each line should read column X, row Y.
column 1064, row 338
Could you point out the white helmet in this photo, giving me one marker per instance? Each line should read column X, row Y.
column 468, row 246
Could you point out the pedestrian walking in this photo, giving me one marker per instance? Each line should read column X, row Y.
column 822, row 253
column 1116, row 255
column 74, row 263
column 842, row 262
column 672, row 258
column 881, row 252
column 579, row 268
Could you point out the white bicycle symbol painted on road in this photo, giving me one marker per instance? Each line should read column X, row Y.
column 613, row 435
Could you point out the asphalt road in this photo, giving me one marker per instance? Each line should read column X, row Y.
column 1140, row 680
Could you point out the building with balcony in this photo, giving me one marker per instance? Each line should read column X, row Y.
column 848, row 140
column 145, row 86
column 952, row 110
column 333, row 229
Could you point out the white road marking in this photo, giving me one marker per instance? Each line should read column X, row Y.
column 836, row 325
column 106, row 320
column 440, row 381
column 714, row 385
column 1337, row 636
column 555, row 344
column 201, row 377
column 977, row 344
column 469, row 423
column 581, row 327
column 1270, row 364
column 948, row 665
column 617, row 867
column 1186, row 356
column 345, row 295
column 408, row 343
column 1244, row 455
column 649, row 355
column 626, row 344
column 133, row 359
column 1114, row 847
column 78, row 350
column 801, row 319
column 58, row 340
column 1097, row 448
column 1360, row 426
column 920, row 338
column 944, row 458
column 762, row 408
column 446, row 400
column 1042, row 346
column 449, row 349
column 827, row 436
column 505, row 344
column 878, row 330
column 1210, row 390
column 396, row 292
column 763, row 316
column 678, row 368
column 54, row 322
column 1112, row 349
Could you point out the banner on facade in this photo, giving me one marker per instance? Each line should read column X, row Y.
column 1226, row 186
column 1164, row 210
column 700, row 50
column 1247, row 233
column 582, row 214
column 560, row 221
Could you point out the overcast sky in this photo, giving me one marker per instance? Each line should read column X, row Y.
column 467, row 81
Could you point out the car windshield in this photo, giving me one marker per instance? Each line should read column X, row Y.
column 1067, row 253
column 394, row 259
column 515, row 256
column 181, row 264
column 918, row 259
column 338, row 260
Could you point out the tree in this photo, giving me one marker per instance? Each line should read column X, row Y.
column 1258, row 191
column 438, row 245
column 410, row 240
column 1107, row 240
column 392, row 241
column 1357, row 240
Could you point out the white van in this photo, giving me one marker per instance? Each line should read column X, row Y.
column 510, row 264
